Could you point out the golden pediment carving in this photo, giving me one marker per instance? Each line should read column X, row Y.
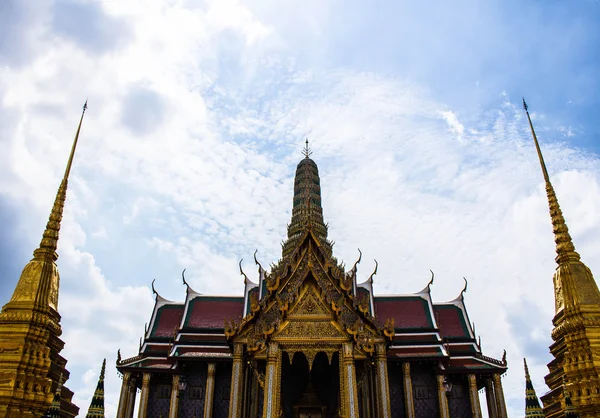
column 310, row 330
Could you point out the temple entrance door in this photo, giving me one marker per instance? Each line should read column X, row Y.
column 310, row 392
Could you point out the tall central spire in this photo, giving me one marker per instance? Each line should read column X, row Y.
column 576, row 332
column 564, row 244
column 30, row 325
column 307, row 212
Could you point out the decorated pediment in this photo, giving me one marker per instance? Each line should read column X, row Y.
column 309, row 298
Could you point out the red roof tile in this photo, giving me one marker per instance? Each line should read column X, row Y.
column 451, row 321
column 167, row 321
column 211, row 312
column 407, row 311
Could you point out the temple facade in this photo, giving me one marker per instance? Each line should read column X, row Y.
column 306, row 339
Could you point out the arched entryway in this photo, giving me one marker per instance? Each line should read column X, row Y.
column 310, row 392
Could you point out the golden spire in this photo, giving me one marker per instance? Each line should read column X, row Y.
column 576, row 332
column 565, row 249
column 40, row 279
column 49, row 242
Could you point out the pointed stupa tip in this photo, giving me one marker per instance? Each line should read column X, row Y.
column 565, row 249
column 49, row 242
column 96, row 409
column 532, row 403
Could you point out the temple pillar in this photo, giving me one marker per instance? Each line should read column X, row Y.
column 174, row 403
column 131, row 391
column 383, row 386
column 442, row 397
column 210, row 391
column 500, row 402
column 409, row 403
column 490, row 398
column 349, row 388
column 122, row 409
column 271, row 400
column 143, row 409
column 474, row 396
column 237, row 380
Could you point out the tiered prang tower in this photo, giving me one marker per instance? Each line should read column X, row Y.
column 576, row 333
column 31, row 367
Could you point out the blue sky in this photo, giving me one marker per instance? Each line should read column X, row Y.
column 197, row 115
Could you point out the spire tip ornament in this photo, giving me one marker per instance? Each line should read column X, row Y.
column 307, row 152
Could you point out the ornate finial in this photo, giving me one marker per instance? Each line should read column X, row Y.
column 118, row 356
column 564, row 244
column 374, row 271
column 153, row 289
column 464, row 288
column 431, row 281
column 479, row 341
column 256, row 260
column 504, row 357
column 183, row 278
column 242, row 272
column 357, row 261
column 307, row 151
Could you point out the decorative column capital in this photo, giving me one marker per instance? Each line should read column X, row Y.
column 126, row 377
column 238, row 350
column 273, row 351
column 212, row 367
column 380, row 350
column 146, row 379
column 347, row 352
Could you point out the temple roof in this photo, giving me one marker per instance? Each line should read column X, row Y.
column 308, row 280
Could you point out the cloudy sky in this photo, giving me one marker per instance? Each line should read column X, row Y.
column 197, row 114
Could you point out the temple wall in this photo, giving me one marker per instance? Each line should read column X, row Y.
column 160, row 394
column 191, row 401
column 396, row 382
column 222, row 389
column 459, row 402
column 424, row 391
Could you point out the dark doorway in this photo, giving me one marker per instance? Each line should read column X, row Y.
column 310, row 393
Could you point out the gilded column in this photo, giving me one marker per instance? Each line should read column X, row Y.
column 143, row 410
column 442, row 397
column 383, row 386
column 132, row 388
column 500, row 402
column 271, row 405
column 409, row 404
column 490, row 398
column 475, row 406
column 174, row 404
column 349, row 391
column 210, row 390
column 237, row 379
column 122, row 409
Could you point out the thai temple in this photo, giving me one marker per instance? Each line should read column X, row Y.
column 306, row 338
